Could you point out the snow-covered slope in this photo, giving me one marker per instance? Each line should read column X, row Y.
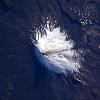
column 57, row 53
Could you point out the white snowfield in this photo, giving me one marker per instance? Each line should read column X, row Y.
column 58, row 54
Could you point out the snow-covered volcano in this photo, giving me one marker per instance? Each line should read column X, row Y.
column 58, row 53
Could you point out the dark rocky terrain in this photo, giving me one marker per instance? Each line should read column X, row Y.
column 22, row 77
